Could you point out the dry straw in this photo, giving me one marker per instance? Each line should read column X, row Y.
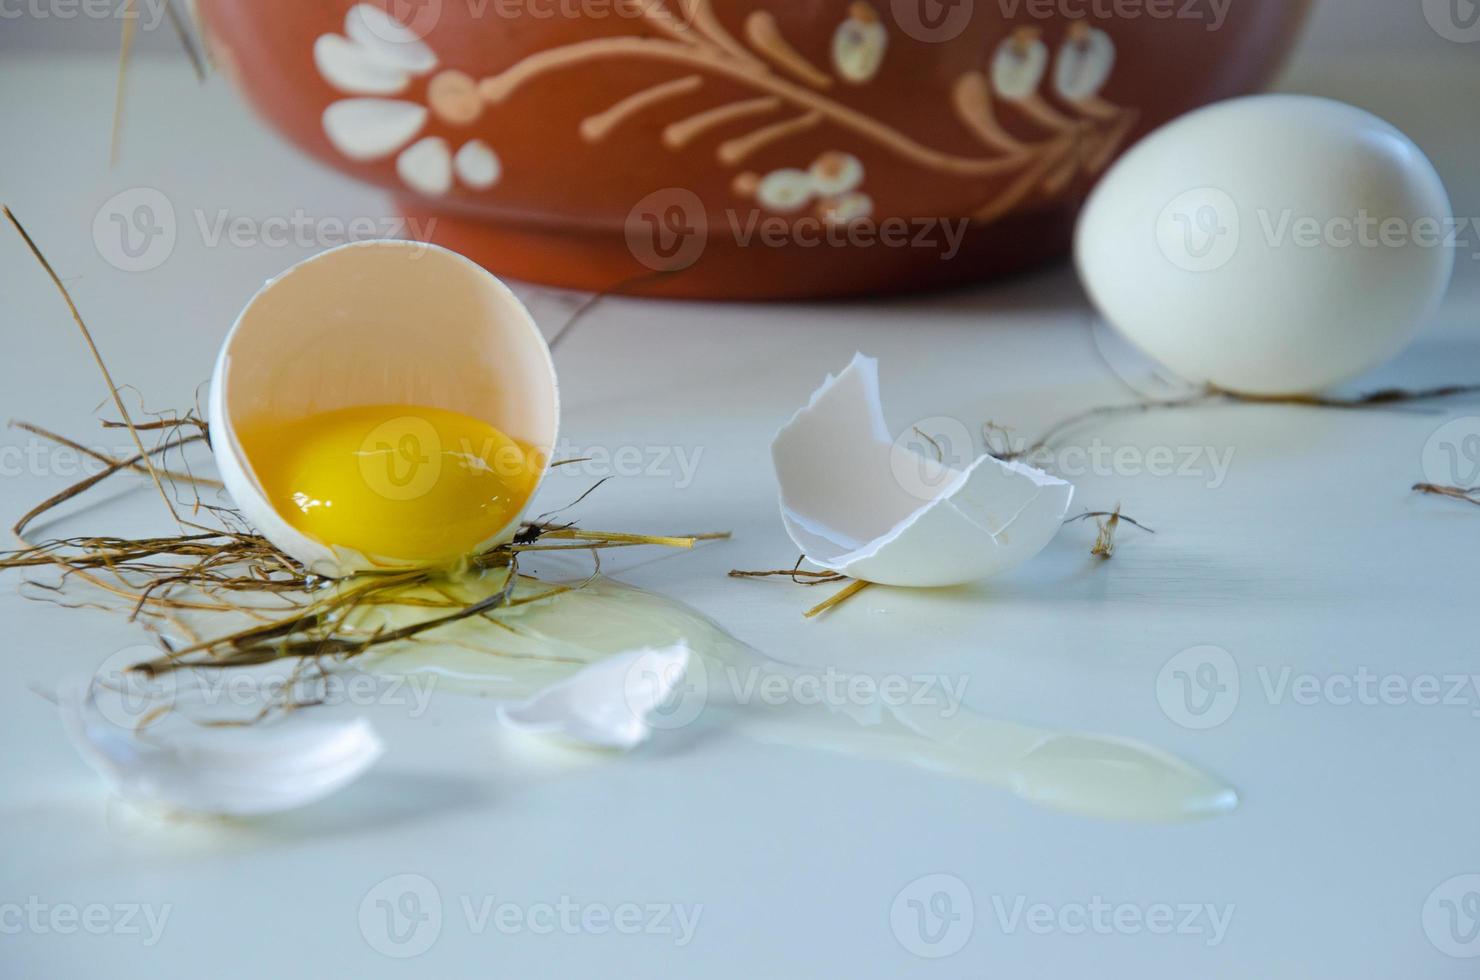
column 224, row 568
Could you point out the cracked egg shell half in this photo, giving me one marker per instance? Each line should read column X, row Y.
column 862, row 504
column 383, row 404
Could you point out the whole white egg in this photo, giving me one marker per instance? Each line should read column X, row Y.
column 1269, row 245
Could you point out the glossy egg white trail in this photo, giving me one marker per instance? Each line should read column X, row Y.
column 549, row 641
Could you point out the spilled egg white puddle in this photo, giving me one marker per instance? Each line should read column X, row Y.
column 325, row 350
column 519, row 650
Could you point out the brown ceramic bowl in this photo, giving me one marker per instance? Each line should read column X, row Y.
column 739, row 148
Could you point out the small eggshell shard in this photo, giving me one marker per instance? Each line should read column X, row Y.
column 377, row 323
column 858, row 45
column 1084, row 63
column 240, row 771
column 1019, row 64
column 1270, row 245
column 862, row 504
column 607, row 704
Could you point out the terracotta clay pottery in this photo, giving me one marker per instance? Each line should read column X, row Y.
column 738, row 148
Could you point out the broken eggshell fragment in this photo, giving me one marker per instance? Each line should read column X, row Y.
column 862, row 504
column 377, row 323
column 607, row 704
column 236, row 771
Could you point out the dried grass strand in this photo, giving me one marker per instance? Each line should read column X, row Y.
column 92, row 347
column 1470, row 495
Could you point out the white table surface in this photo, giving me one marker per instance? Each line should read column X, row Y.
column 1312, row 555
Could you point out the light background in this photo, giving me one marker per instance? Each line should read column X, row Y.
column 1313, row 556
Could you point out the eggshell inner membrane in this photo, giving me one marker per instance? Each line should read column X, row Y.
column 857, row 502
column 378, row 323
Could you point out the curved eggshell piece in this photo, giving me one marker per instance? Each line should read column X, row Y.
column 377, row 323
column 847, row 502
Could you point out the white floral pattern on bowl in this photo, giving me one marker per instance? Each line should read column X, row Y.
column 376, row 57
column 832, row 181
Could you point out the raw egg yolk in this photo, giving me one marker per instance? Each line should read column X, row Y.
column 394, row 481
